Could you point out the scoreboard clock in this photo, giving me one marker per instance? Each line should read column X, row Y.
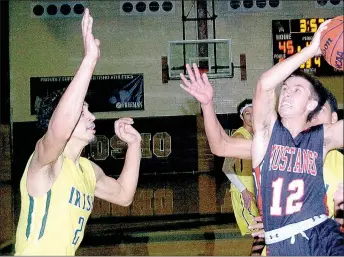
column 290, row 36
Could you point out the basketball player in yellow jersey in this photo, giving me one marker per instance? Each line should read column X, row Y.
column 223, row 145
column 58, row 186
column 334, row 161
column 239, row 172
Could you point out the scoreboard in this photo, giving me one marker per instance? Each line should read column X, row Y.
column 291, row 36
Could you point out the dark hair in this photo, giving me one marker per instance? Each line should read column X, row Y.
column 318, row 92
column 46, row 109
column 332, row 101
column 243, row 103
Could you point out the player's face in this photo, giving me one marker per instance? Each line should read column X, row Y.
column 247, row 116
column 324, row 116
column 85, row 128
column 295, row 98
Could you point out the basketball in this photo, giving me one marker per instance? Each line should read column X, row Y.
column 331, row 43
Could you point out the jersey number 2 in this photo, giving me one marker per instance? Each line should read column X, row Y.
column 292, row 204
column 81, row 227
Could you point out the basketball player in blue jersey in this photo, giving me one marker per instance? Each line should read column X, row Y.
column 333, row 169
column 288, row 160
column 226, row 146
column 58, row 186
column 223, row 145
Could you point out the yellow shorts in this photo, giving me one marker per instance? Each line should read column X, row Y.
column 243, row 216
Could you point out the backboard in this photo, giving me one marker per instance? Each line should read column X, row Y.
column 213, row 56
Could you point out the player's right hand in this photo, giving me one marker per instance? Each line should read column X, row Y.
column 125, row 131
column 198, row 86
column 315, row 44
column 258, row 227
column 91, row 45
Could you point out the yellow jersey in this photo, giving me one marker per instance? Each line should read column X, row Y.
column 243, row 168
column 54, row 224
column 333, row 175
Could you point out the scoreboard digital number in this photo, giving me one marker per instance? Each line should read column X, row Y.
column 291, row 36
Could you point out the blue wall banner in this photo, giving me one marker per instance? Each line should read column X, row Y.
column 106, row 93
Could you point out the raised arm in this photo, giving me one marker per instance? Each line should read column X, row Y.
column 220, row 142
column 122, row 190
column 68, row 110
column 264, row 101
column 265, row 96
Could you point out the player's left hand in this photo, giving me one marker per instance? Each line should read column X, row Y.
column 258, row 227
column 125, row 131
column 248, row 198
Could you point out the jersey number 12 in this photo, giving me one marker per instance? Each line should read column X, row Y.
column 293, row 204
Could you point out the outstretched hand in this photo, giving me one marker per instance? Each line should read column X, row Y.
column 315, row 44
column 126, row 132
column 198, row 86
column 91, row 45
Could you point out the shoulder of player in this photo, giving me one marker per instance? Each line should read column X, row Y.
column 97, row 170
column 94, row 165
column 52, row 168
column 333, row 166
column 264, row 134
column 334, row 156
column 40, row 179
